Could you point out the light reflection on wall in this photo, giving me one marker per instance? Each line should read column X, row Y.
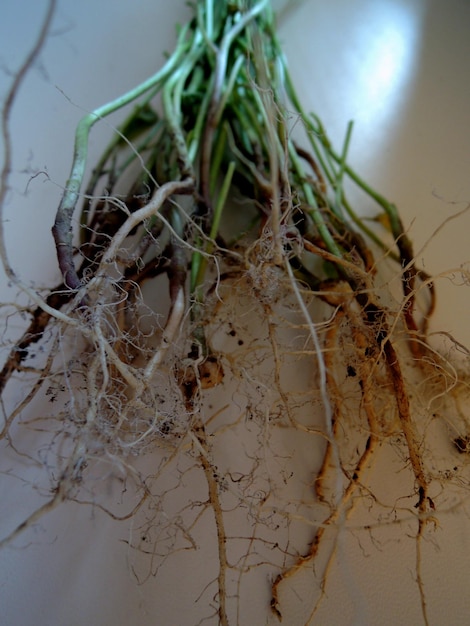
column 368, row 56
column 385, row 51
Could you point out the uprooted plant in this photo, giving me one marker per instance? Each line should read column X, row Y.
column 215, row 253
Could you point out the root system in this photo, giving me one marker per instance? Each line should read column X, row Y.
column 216, row 255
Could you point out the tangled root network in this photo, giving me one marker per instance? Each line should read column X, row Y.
column 233, row 362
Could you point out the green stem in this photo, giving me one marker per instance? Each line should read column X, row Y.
column 62, row 229
column 199, row 261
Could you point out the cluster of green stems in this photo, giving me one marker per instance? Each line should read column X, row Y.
column 216, row 114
